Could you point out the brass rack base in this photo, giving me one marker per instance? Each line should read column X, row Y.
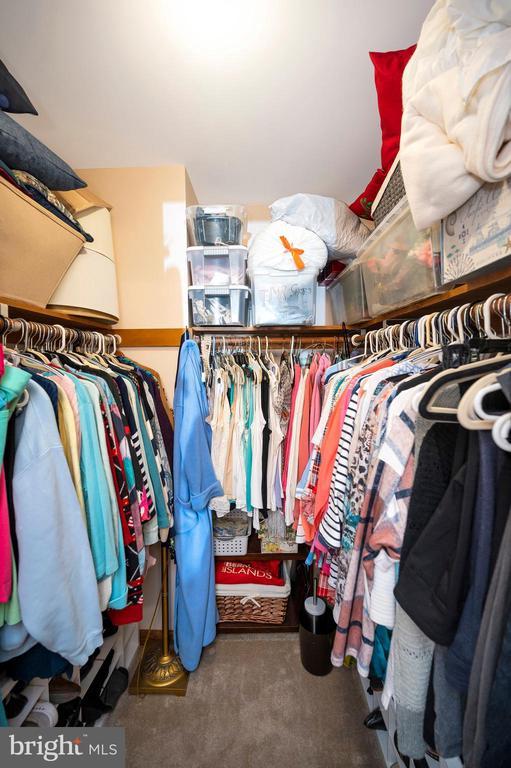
column 158, row 673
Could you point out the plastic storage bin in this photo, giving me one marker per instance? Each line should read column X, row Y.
column 399, row 263
column 216, row 224
column 219, row 305
column 346, row 296
column 238, row 545
column 226, row 265
column 283, row 297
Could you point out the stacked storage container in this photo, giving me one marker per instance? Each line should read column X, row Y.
column 284, row 263
column 218, row 261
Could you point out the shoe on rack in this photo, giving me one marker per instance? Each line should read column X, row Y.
column 375, row 721
column 63, row 690
column 14, row 705
column 115, row 687
column 69, row 713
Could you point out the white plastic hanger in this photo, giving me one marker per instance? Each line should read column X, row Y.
column 501, row 432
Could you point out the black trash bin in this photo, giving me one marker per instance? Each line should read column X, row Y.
column 317, row 628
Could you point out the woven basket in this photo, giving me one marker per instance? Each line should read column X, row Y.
column 393, row 192
column 264, row 610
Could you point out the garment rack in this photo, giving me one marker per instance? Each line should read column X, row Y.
column 275, row 336
column 29, row 332
column 480, row 318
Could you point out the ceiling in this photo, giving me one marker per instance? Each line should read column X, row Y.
column 257, row 98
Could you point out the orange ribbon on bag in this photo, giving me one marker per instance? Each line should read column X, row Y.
column 295, row 252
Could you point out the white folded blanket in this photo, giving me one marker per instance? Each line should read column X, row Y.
column 456, row 126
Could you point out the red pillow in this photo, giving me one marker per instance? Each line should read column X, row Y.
column 257, row 572
column 388, row 75
column 362, row 205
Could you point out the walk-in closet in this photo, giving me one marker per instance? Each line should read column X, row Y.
column 255, row 383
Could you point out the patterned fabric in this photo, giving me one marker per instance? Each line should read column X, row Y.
column 348, row 638
column 27, row 180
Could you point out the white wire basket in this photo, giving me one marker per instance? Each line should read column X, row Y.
column 238, row 545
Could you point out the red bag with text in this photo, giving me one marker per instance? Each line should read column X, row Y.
column 257, row 572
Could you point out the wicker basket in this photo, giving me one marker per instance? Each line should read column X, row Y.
column 264, row 610
column 238, row 545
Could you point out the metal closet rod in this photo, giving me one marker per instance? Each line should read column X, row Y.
column 35, row 334
column 274, row 342
column 275, row 337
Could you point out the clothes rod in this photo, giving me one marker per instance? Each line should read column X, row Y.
column 36, row 334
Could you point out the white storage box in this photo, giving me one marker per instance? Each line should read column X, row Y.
column 98, row 222
column 238, row 545
column 477, row 234
column 284, row 297
column 216, row 224
column 400, row 264
column 219, row 305
column 346, row 296
column 89, row 287
column 223, row 265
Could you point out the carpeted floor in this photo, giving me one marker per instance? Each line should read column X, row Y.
column 252, row 705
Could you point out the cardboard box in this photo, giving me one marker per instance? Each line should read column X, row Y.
column 478, row 233
column 36, row 247
column 81, row 200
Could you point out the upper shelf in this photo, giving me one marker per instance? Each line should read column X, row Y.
column 28, row 311
column 477, row 289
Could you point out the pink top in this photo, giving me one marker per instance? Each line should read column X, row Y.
column 287, row 440
column 5, row 544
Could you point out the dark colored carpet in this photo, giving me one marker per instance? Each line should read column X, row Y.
column 252, row 705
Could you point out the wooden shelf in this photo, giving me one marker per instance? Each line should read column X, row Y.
column 27, row 311
column 287, row 331
column 254, row 553
column 150, row 337
column 477, row 289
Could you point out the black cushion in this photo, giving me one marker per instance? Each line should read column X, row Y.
column 23, row 152
column 12, row 96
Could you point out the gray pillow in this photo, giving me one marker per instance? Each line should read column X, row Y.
column 23, row 152
column 12, row 96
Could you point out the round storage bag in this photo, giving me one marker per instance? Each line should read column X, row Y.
column 273, row 247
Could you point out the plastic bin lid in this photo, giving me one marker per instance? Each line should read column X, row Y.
column 219, row 208
column 217, row 250
column 218, row 290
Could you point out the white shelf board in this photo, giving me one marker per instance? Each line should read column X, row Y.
column 107, row 646
column 89, row 679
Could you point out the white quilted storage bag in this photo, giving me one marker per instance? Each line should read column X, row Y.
column 283, row 264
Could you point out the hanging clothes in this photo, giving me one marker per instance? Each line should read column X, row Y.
column 195, row 612
column 84, row 435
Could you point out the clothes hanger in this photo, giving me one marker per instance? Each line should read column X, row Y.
column 469, row 416
column 459, row 375
column 501, row 432
column 472, row 412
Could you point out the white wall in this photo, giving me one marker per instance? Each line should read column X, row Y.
column 257, row 98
